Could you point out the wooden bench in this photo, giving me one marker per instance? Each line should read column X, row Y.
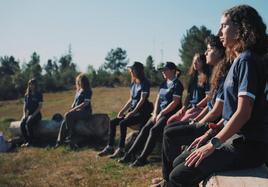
column 256, row 177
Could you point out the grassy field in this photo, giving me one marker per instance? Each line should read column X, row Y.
column 36, row 167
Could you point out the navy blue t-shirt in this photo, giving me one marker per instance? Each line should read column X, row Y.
column 137, row 90
column 32, row 101
column 83, row 96
column 168, row 90
column 246, row 78
column 197, row 92
column 218, row 95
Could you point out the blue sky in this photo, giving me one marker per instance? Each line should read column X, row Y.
column 93, row 27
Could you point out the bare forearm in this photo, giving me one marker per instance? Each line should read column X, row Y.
column 81, row 106
column 156, row 105
column 139, row 105
column 24, row 111
column 202, row 103
column 126, row 106
column 214, row 114
column 239, row 118
column 37, row 110
column 171, row 106
column 202, row 114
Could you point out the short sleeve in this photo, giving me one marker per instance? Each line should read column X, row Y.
column 145, row 88
column 220, row 95
column 207, row 87
column 88, row 95
column 220, row 92
column 247, row 79
column 40, row 97
column 178, row 89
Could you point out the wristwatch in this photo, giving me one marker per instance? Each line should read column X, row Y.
column 216, row 143
column 191, row 121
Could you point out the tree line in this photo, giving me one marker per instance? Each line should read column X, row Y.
column 59, row 74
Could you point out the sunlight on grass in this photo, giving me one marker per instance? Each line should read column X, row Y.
column 42, row 167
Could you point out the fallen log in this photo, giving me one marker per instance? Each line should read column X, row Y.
column 96, row 127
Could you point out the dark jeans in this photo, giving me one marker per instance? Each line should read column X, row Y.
column 68, row 124
column 137, row 119
column 146, row 140
column 237, row 153
column 175, row 135
column 27, row 126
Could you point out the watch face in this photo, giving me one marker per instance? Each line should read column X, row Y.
column 216, row 143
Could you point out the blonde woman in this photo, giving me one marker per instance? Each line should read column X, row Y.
column 80, row 110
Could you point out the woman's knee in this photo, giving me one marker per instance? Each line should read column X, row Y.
column 155, row 130
column 67, row 115
column 181, row 158
column 167, row 133
column 182, row 175
column 123, row 123
column 70, row 116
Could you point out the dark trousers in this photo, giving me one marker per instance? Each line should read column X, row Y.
column 137, row 119
column 175, row 135
column 68, row 124
column 146, row 140
column 27, row 126
column 237, row 153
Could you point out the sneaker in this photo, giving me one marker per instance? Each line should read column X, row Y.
column 157, row 180
column 57, row 145
column 162, row 183
column 119, row 152
column 27, row 144
column 139, row 162
column 108, row 150
column 126, row 159
column 74, row 146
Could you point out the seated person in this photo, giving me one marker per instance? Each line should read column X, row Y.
column 136, row 111
column 198, row 88
column 180, row 133
column 80, row 110
column 167, row 102
column 31, row 112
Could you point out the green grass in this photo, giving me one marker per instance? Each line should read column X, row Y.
column 38, row 167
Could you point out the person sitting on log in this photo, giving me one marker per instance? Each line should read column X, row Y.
column 80, row 110
column 31, row 112
column 242, row 141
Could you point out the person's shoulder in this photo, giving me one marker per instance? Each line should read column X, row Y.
column 251, row 59
column 178, row 82
column 163, row 83
column 248, row 56
column 85, row 91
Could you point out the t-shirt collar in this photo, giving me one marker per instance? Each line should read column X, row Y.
column 171, row 81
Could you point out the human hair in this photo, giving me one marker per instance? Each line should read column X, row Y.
column 205, row 71
column 83, row 82
column 251, row 30
column 221, row 68
column 32, row 81
column 139, row 73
